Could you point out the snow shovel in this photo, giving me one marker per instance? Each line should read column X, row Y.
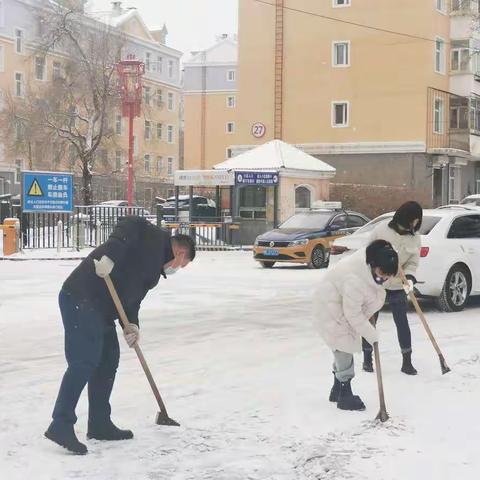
column 382, row 414
column 443, row 363
column 162, row 417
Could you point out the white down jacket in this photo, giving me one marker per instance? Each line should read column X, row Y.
column 344, row 301
column 407, row 247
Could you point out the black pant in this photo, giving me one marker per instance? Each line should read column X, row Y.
column 397, row 299
column 92, row 353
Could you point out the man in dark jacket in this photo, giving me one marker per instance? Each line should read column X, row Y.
column 135, row 255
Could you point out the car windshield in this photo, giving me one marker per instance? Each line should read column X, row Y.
column 308, row 220
column 471, row 201
column 428, row 223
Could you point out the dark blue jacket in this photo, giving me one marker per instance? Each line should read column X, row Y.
column 139, row 250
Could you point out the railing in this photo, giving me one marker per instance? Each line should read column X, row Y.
column 87, row 226
column 90, row 226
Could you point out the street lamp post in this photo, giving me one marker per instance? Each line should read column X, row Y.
column 130, row 74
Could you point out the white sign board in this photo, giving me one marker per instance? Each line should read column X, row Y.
column 203, row 178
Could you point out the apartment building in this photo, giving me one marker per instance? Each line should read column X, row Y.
column 386, row 92
column 156, row 151
column 210, row 103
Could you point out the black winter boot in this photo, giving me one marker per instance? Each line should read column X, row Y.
column 407, row 366
column 347, row 400
column 107, row 431
column 335, row 391
column 64, row 435
column 367, row 361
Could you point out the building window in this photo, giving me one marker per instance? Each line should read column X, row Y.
column 454, row 185
column 159, row 131
column 231, row 101
column 19, row 84
column 465, row 6
column 441, row 6
column 40, row 68
column 159, row 165
column 438, row 116
column 439, row 55
column 118, row 124
column 171, row 102
column 118, row 161
column 135, row 145
column 160, row 64
column 18, row 170
column 170, row 68
column 475, row 114
column 170, row 166
column 170, row 136
column 148, row 130
column 340, row 114
column 2, row 59
column 253, row 201
column 230, row 127
column 19, row 131
column 231, row 76
column 458, row 116
column 146, row 94
column 159, row 98
column 303, row 197
column 148, row 61
column 56, row 70
column 460, row 60
column 2, row 13
column 19, row 40
column 341, row 54
column 146, row 159
column 341, row 3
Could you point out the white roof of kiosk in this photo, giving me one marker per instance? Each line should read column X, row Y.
column 276, row 155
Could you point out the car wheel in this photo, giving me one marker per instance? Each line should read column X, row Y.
column 456, row 290
column 318, row 257
column 267, row 264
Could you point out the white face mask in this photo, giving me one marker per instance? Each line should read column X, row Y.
column 170, row 271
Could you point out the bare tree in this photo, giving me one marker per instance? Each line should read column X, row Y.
column 74, row 108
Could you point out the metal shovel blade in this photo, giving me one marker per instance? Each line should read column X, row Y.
column 382, row 416
column 163, row 419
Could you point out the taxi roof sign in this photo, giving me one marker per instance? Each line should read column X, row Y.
column 327, row 205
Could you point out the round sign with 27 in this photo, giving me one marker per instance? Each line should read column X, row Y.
column 258, row 130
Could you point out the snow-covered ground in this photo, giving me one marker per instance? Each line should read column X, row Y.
column 241, row 367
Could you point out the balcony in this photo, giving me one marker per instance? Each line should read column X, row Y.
column 464, row 7
column 449, row 122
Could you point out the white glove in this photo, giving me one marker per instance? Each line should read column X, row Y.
column 131, row 334
column 408, row 287
column 104, row 266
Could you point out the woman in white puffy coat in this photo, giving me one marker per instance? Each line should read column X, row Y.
column 402, row 233
column 346, row 298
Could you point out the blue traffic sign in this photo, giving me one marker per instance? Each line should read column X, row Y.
column 256, row 178
column 47, row 192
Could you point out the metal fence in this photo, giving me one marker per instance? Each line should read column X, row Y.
column 90, row 226
column 87, row 226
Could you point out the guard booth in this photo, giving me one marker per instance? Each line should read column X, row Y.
column 272, row 182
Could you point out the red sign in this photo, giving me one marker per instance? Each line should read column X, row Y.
column 258, row 130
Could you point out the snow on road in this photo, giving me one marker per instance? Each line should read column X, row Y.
column 241, row 367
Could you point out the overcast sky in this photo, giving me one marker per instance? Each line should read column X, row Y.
column 192, row 24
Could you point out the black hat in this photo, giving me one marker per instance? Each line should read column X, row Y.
column 404, row 217
column 381, row 254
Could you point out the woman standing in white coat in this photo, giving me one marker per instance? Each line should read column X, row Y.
column 345, row 300
column 402, row 233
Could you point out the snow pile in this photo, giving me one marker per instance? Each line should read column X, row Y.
column 240, row 366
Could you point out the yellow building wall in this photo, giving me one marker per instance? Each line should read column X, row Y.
column 217, row 140
column 386, row 83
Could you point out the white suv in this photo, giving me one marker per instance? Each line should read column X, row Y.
column 449, row 268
